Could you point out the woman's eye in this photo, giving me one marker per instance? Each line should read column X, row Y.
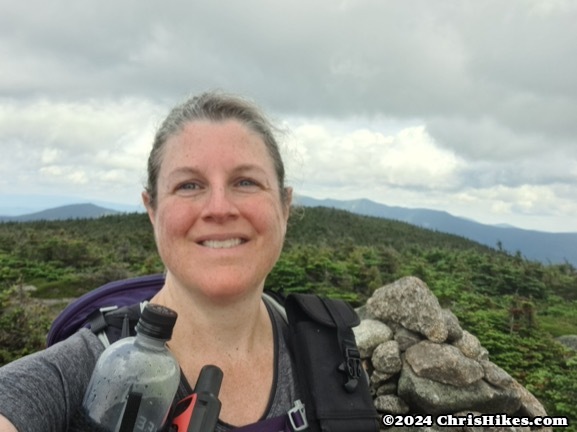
column 189, row 186
column 246, row 182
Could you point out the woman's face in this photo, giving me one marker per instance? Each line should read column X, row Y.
column 219, row 221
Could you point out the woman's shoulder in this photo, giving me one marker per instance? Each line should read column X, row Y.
column 83, row 341
column 52, row 380
column 79, row 347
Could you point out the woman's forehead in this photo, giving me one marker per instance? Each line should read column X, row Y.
column 216, row 143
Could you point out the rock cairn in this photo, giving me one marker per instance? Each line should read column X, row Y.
column 421, row 361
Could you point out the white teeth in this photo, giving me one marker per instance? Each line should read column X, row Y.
column 217, row 244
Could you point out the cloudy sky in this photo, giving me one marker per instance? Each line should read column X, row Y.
column 463, row 106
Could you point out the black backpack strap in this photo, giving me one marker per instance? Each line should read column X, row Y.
column 329, row 369
column 114, row 323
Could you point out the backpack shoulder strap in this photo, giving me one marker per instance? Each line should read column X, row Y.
column 329, row 369
column 111, row 325
column 107, row 297
column 276, row 302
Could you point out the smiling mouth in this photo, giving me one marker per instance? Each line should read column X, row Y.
column 223, row 244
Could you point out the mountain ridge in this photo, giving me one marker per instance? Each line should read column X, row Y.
column 70, row 211
column 545, row 247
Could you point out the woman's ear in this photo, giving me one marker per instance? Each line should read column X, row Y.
column 147, row 201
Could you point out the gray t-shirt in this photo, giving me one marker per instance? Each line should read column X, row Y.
column 44, row 391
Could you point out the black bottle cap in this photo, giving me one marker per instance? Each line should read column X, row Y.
column 157, row 321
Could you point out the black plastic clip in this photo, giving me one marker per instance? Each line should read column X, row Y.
column 352, row 367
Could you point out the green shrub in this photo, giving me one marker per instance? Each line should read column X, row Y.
column 23, row 324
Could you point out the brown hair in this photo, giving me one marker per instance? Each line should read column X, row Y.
column 217, row 107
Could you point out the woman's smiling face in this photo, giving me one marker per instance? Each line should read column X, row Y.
column 219, row 220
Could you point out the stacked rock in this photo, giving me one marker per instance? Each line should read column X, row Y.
column 422, row 362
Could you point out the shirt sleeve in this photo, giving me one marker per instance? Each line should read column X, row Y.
column 42, row 391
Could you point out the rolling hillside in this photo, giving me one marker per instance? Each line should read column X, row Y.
column 544, row 247
column 556, row 248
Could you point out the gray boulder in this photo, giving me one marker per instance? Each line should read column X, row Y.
column 495, row 375
column 406, row 338
column 369, row 334
column 455, row 332
column 391, row 404
column 443, row 363
column 410, row 303
column 469, row 345
column 387, row 358
column 432, row 397
column 570, row 341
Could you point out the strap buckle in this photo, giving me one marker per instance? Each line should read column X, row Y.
column 297, row 417
column 352, row 367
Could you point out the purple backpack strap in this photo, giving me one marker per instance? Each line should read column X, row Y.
column 275, row 424
column 294, row 420
column 118, row 293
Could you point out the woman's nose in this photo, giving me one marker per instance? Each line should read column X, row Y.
column 220, row 205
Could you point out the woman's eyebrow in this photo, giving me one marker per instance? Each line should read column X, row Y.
column 248, row 167
column 182, row 171
column 239, row 169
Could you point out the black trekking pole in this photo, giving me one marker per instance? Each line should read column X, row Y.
column 199, row 411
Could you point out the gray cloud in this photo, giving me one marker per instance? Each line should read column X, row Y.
column 489, row 84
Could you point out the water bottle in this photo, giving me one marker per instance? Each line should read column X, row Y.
column 135, row 379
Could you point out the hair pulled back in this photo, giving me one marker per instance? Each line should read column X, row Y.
column 214, row 107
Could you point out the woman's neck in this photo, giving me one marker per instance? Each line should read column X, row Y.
column 216, row 327
column 236, row 336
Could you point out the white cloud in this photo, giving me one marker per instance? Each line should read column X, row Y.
column 49, row 155
column 101, row 145
column 413, row 159
column 51, row 171
column 365, row 158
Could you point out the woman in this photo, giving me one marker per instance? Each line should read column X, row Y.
column 219, row 208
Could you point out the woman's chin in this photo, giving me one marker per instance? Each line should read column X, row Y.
column 225, row 290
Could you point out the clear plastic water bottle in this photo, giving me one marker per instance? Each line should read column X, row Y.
column 135, row 379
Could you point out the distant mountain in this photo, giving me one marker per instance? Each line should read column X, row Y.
column 73, row 211
column 540, row 246
column 16, row 204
